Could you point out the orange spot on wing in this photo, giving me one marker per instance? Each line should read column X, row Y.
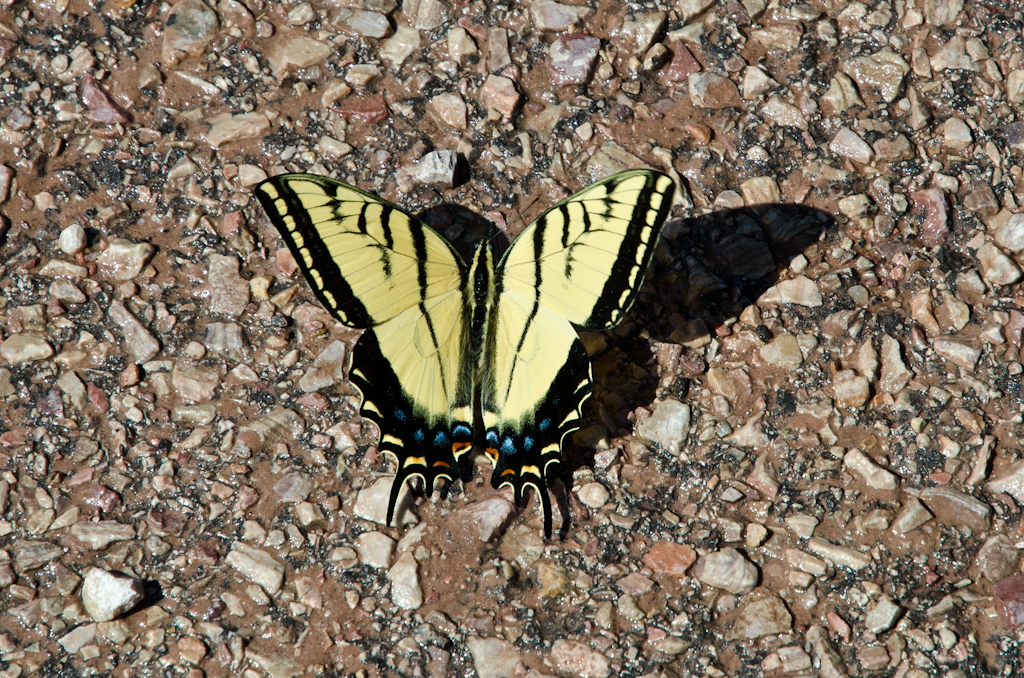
column 508, row 471
column 460, row 447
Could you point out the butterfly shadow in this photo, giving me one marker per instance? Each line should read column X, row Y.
column 706, row 271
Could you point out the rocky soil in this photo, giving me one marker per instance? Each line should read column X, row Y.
column 803, row 453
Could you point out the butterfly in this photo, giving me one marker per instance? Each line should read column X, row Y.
column 452, row 348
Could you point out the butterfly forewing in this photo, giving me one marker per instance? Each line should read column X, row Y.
column 366, row 259
column 586, row 256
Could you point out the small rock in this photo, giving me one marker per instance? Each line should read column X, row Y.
column 77, row 639
column 800, row 290
column 670, row 558
column 593, row 495
column 427, row 15
column 107, row 595
column 851, row 389
column 228, row 340
column 931, row 204
column 72, row 239
column 848, row 144
column 99, row 107
column 400, row 46
column 728, row 570
column 405, row 583
column 996, row 267
column 895, row 374
column 998, row 558
column 874, row 475
column 190, row 27
column 683, row 64
column 941, row 12
column 784, row 351
column 494, row 657
column 193, row 383
column 764, row 615
column 293, row 487
column 576, row 659
column 912, row 515
column 668, row 426
column 372, row 503
column 708, row 90
column 953, row 507
column 554, row 16
column 123, row 260
column 25, row 347
column 276, row 665
column 882, row 616
column 572, row 58
column 437, row 168
column 99, row 535
column 802, row 525
column 957, row 134
column 881, row 73
column 488, row 517
column 983, row 201
column 461, row 48
column 1009, row 599
column 841, row 96
column 225, row 128
column 840, row 555
column 551, row 579
column 31, row 555
column 375, row 549
column 634, row 584
column 957, row 352
column 292, row 52
column 1011, row 482
column 1010, row 235
column 362, row 22
column 257, row 566
column 638, row 31
column 499, row 93
column 450, row 109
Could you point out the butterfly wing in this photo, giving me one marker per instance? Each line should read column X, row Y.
column 374, row 265
column 582, row 262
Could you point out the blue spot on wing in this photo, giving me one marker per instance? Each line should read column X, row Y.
column 508, row 446
column 419, row 436
column 441, row 439
column 544, row 424
column 400, row 415
column 527, row 443
column 492, row 438
column 461, row 430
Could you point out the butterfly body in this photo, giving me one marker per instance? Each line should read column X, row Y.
column 443, row 337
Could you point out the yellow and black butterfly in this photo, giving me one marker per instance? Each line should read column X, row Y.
column 442, row 336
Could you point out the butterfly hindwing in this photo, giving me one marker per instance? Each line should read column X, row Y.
column 373, row 265
column 582, row 261
column 531, row 397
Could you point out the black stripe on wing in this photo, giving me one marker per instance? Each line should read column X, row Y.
column 345, row 305
column 524, row 455
column 643, row 232
column 422, row 450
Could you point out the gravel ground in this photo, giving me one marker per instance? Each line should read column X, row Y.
column 802, row 456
